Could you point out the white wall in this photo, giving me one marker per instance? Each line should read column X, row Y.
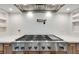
column 56, row 23
column 16, row 22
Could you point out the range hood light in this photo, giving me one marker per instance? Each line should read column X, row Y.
column 10, row 9
column 24, row 4
column 48, row 14
column 29, row 14
column 68, row 9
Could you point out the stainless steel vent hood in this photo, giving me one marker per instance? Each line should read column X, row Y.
column 39, row 7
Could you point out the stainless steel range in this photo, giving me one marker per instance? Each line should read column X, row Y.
column 39, row 43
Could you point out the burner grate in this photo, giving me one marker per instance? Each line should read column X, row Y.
column 37, row 38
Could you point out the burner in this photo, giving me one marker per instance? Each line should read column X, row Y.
column 38, row 38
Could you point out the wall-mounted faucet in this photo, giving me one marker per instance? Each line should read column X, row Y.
column 42, row 20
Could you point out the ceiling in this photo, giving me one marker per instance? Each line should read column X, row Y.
column 7, row 7
column 39, row 7
column 19, row 8
column 72, row 8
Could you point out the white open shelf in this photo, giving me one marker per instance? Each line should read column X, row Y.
column 3, row 21
column 75, row 21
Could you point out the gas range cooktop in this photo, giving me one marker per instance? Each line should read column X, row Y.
column 39, row 38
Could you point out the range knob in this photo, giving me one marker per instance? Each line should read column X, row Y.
column 49, row 47
column 29, row 48
column 16, row 47
column 35, row 47
column 43, row 47
column 61, row 47
column 22, row 48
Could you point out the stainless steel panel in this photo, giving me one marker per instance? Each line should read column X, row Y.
column 61, row 46
column 47, row 46
column 39, row 46
column 33, row 46
column 18, row 46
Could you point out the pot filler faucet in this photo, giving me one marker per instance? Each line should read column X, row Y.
column 42, row 20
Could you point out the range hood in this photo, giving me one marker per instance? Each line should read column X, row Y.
column 39, row 7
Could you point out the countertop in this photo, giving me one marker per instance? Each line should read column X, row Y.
column 9, row 38
column 65, row 37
